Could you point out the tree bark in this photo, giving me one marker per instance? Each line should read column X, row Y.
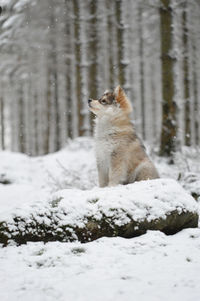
column 186, row 78
column 142, row 84
column 2, row 130
column 168, row 133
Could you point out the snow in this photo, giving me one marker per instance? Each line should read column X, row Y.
column 153, row 266
column 153, row 198
column 149, row 267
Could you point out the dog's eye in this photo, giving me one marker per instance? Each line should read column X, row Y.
column 103, row 102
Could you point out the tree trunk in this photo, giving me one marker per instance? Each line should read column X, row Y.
column 102, row 52
column 84, row 66
column 21, row 129
column 73, row 70
column 186, row 78
column 77, row 65
column 112, row 42
column 54, row 119
column 2, row 129
column 168, row 133
column 125, row 60
column 141, row 72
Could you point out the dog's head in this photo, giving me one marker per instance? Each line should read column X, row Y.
column 111, row 102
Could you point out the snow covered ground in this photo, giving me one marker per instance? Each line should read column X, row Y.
column 150, row 267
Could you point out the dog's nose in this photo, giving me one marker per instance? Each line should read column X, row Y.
column 89, row 100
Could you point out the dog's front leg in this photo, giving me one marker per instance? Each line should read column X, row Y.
column 103, row 176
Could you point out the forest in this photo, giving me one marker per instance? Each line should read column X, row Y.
column 62, row 237
column 56, row 54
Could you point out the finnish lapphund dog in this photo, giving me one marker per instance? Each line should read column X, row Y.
column 120, row 155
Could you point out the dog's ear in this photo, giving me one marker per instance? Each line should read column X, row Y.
column 122, row 99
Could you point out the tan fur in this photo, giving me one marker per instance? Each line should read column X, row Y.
column 121, row 158
column 122, row 99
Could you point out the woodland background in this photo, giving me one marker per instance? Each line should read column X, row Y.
column 56, row 54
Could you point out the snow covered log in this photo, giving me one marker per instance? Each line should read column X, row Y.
column 126, row 211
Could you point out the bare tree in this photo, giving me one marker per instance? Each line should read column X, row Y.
column 56, row 54
column 167, row 61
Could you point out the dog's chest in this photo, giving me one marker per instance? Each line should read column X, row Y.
column 104, row 149
column 104, row 144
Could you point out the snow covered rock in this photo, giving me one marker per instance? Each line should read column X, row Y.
column 126, row 211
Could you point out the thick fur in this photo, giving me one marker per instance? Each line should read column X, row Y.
column 120, row 155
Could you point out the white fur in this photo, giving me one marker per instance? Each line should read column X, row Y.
column 105, row 145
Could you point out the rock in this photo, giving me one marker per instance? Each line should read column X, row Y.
column 125, row 211
column 4, row 180
column 191, row 182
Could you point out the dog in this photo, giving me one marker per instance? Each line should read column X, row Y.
column 120, row 154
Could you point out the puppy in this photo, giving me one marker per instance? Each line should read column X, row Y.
column 120, row 155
